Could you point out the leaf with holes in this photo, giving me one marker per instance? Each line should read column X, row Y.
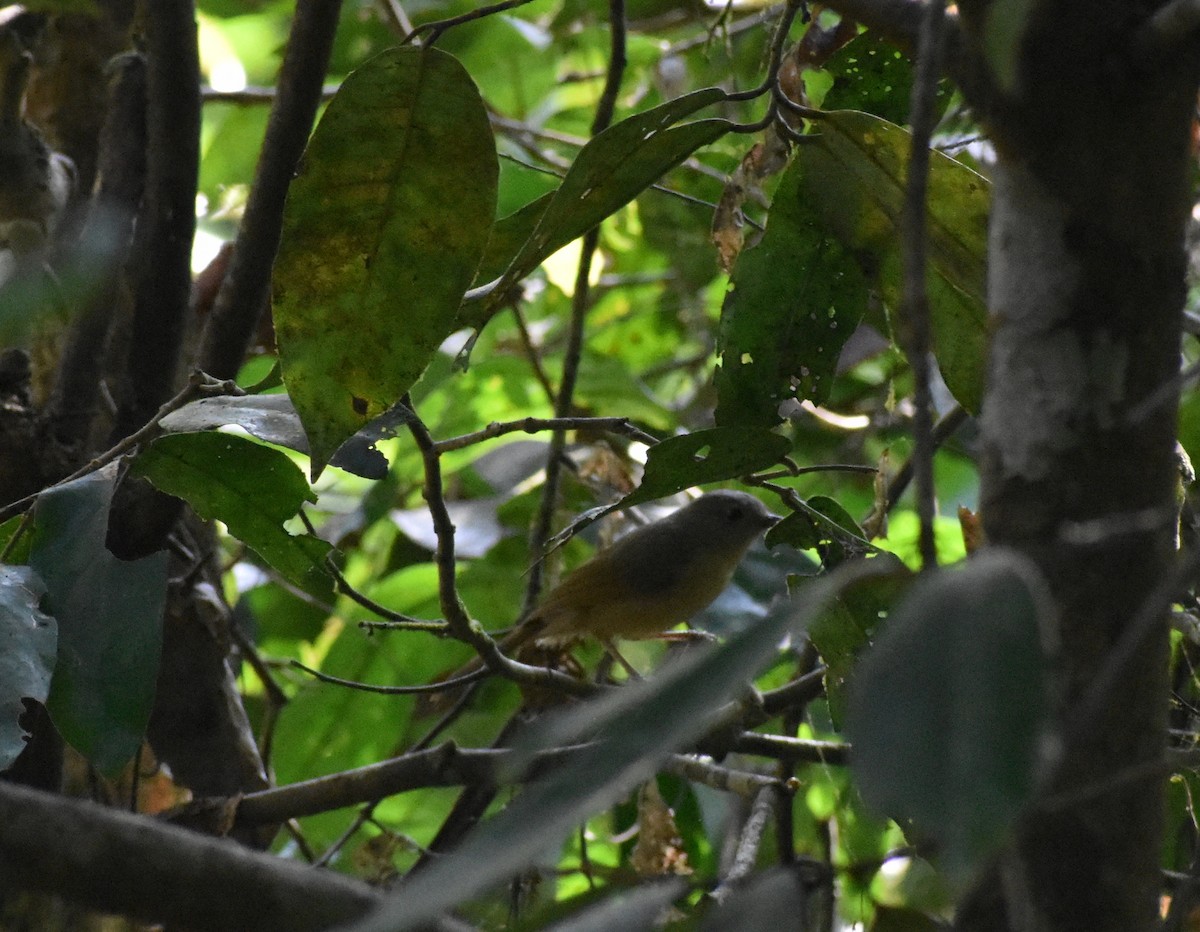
column 793, row 301
column 384, row 228
column 853, row 176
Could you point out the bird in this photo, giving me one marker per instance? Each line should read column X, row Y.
column 648, row 581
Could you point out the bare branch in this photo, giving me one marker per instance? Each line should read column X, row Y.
column 121, row 863
column 163, row 242
column 563, row 404
column 534, row 425
column 915, row 324
column 199, row 385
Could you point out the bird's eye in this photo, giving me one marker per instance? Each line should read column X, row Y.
column 734, row 514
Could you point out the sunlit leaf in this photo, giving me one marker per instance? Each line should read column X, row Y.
column 384, row 228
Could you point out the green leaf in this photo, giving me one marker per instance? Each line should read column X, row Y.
column 273, row 419
column 854, row 178
column 28, row 643
column 109, row 615
column 872, row 75
column 794, row 300
column 947, row 712
column 821, row 521
column 252, row 488
column 702, row 456
column 847, row 627
column 384, row 228
column 614, row 168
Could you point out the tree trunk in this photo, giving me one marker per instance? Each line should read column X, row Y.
column 1086, row 286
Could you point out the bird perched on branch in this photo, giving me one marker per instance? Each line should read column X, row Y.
column 650, row 580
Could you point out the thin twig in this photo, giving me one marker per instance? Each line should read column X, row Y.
column 914, row 249
column 534, row 425
column 253, row 94
column 457, row 683
column 749, row 841
column 199, row 385
column 718, row 777
column 573, row 353
column 243, row 294
column 791, row 750
column 397, row 15
column 820, row 467
column 459, row 624
column 531, row 352
column 435, row 30
column 778, row 40
column 942, row 431
column 394, row 620
column 742, row 25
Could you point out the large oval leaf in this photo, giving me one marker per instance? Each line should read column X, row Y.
column 855, row 177
column 948, row 712
column 109, row 615
column 384, row 228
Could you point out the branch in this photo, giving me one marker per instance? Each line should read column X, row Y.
column 563, row 405
column 791, row 750
column 459, row 624
column 436, row 29
column 256, row 94
column 533, row 425
column 198, row 386
column 116, row 862
column 243, row 294
column 746, row 856
column 445, row 765
column 915, row 325
column 168, row 219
